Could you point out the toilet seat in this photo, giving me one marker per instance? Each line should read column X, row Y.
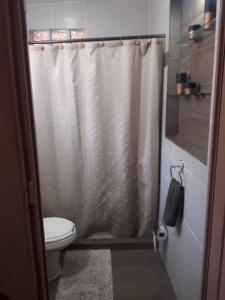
column 59, row 233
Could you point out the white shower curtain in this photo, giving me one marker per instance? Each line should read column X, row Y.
column 97, row 109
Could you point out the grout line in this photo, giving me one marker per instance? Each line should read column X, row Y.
column 194, row 235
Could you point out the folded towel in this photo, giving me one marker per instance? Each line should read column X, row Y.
column 174, row 204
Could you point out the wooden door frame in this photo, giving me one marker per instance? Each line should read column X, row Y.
column 18, row 148
column 214, row 271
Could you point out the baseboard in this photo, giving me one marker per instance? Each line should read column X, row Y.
column 112, row 243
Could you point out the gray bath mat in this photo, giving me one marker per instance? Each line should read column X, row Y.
column 87, row 275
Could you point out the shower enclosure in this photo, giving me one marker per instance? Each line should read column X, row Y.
column 97, row 118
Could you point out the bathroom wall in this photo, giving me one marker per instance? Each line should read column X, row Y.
column 100, row 18
column 96, row 17
column 183, row 252
column 159, row 17
column 190, row 128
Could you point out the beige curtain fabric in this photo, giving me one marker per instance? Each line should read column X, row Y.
column 97, row 125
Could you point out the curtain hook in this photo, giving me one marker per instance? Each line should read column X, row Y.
column 120, row 43
column 149, row 42
column 82, row 45
column 139, row 40
column 101, row 44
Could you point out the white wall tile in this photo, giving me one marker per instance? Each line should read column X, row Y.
column 166, row 162
column 196, row 207
column 196, row 185
column 159, row 17
column 98, row 17
column 192, row 253
column 184, row 251
column 188, row 242
column 193, row 262
column 101, row 17
column 194, row 166
column 188, row 290
column 174, row 263
column 68, row 15
column 39, row 16
column 183, row 256
column 132, row 17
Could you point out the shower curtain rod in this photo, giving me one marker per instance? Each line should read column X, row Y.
column 116, row 38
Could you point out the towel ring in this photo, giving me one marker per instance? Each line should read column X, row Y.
column 179, row 172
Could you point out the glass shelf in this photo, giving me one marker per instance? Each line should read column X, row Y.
column 202, row 34
column 192, row 95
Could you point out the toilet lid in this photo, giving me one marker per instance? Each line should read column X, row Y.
column 56, row 229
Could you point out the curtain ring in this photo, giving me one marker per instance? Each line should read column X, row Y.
column 82, row 45
column 101, row 44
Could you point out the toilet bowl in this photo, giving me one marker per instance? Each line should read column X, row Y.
column 59, row 233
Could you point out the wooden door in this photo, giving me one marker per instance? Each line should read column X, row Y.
column 22, row 253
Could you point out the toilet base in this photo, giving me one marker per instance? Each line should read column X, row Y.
column 54, row 268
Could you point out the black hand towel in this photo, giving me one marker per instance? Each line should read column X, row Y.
column 174, row 204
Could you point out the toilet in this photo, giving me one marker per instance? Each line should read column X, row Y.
column 59, row 233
